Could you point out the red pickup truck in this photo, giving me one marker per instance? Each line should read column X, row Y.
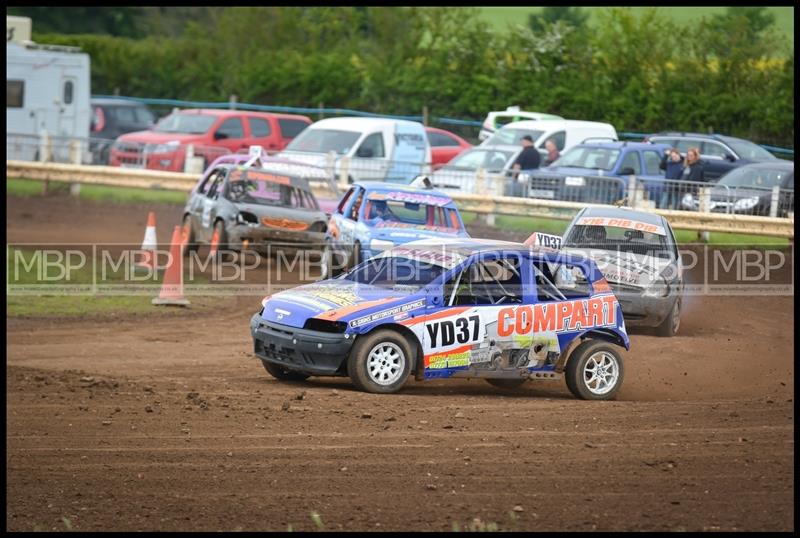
column 210, row 133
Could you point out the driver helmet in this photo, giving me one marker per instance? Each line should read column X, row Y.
column 596, row 233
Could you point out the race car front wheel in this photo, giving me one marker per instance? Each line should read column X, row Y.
column 669, row 327
column 594, row 371
column 380, row 362
column 282, row 374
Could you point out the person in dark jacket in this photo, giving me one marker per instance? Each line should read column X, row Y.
column 672, row 164
column 552, row 152
column 527, row 159
column 694, row 170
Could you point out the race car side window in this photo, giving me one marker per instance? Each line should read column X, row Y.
column 487, row 282
column 345, row 199
column 215, row 185
column 545, row 289
column 571, row 281
column 353, row 214
column 210, row 180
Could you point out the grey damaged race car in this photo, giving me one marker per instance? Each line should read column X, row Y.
column 243, row 207
column 637, row 253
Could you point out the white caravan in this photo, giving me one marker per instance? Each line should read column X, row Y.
column 47, row 91
column 495, row 120
column 371, row 149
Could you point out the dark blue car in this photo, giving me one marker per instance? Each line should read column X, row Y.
column 598, row 172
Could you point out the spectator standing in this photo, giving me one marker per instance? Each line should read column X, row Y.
column 528, row 159
column 694, row 170
column 552, row 152
column 672, row 164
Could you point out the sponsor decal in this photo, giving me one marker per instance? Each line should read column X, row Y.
column 621, row 223
column 240, row 175
column 451, row 359
column 285, row 224
column 282, row 313
column 329, row 294
column 390, row 224
column 601, row 286
column 557, row 317
column 412, row 197
column 383, row 314
column 433, row 255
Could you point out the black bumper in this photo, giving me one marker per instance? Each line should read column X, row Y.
column 301, row 350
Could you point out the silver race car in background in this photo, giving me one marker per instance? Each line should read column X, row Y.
column 638, row 255
column 245, row 207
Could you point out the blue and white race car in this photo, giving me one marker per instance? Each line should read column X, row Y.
column 468, row 308
column 375, row 216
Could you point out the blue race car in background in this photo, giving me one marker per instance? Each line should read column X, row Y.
column 462, row 308
column 375, row 216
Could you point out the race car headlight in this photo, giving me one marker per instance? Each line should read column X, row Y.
column 380, row 245
column 746, row 203
column 659, row 288
column 165, row 148
column 244, row 217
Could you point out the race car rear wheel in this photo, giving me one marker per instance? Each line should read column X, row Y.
column 187, row 236
column 282, row 374
column 506, row 383
column 669, row 327
column 380, row 362
column 594, row 371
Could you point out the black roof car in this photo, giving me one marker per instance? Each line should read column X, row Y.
column 749, row 190
column 720, row 153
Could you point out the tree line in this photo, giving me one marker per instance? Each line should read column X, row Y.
column 639, row 71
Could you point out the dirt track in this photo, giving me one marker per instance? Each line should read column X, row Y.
column 169, row 423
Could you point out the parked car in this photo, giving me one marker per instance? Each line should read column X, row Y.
column 374, row 216
column 444, row 146
column 748, row 190
column 246, row 207
column 460, row 173
column 465, row 308
column 112, row 118
column 720, row 153
column 638, row 256
column 599, row 172
column 377, row 149
column 565, row 133
column 210, row 132
column 497, row 119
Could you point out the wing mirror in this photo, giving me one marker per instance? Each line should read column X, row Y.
column 628, row 171
column 365, row 153
column 730, row 157
column 220, row 136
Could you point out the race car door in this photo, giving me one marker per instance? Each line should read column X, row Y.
column 462, row 335
column 207, row 205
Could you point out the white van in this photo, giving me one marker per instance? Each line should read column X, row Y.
column 378, row 149
column 47, row 90
column 565, row 133
column 497, row 119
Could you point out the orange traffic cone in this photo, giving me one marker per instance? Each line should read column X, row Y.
column 149, row 246
column 172, row 288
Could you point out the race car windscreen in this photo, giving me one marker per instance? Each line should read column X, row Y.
column 621, row 240
column 185, row 124
column 588, row 157
column 263, row 192
column 324, row 141
column 390, row 271
column 396, row 214
column 509, row 137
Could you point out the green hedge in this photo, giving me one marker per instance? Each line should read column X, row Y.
column 640, row 73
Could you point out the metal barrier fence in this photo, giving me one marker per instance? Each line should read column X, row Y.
column 172, row 157
column 47, row 148
column 487, row 203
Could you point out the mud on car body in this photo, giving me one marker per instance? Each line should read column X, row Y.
column 373, row 217
column 638, row 255
column 468, row 308
column 239, row 206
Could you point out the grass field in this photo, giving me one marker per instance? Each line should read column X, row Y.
column 501, row 17
column 98, row 193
